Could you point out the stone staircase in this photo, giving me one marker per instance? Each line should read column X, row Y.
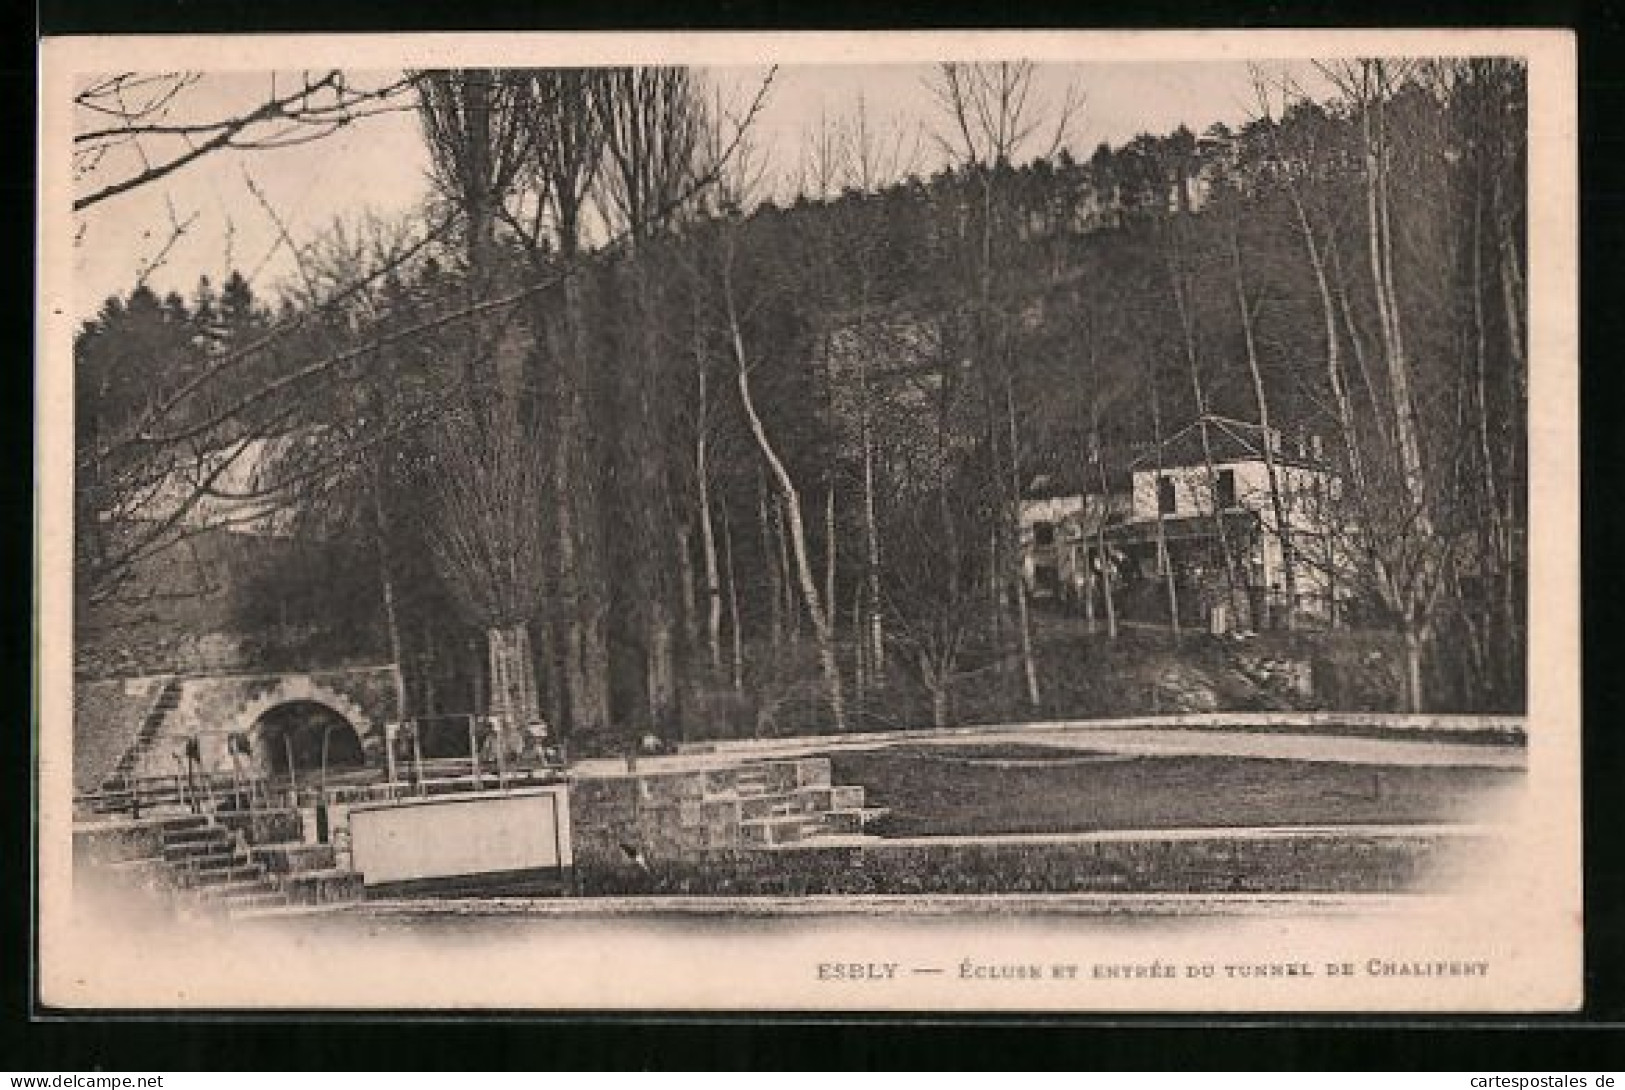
column 758, row 804
column 205, row 866
column 120, row 783
column 211, row 867
column 773, row 812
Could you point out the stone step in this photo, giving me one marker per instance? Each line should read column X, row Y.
column 125, row 792
column 255, row 902
column 220, row 861
column 776, row 805
column 238, row 888
column 224, row 876
column 195, row 835
column 199, row 855
column 776, row 830
column 293, row 859
column 316, row 887
column 814, row 772
column 850, row 821
column 143, row 873
column 846, row 798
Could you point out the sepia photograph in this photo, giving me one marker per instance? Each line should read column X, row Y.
column 866, row 521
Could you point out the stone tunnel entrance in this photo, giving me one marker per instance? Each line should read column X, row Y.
column 310, row 735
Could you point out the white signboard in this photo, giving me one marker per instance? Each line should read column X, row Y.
column 461, row 836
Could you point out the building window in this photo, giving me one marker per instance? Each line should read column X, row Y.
column 1224, row 489
column 1043, row 534
column 1165, row 496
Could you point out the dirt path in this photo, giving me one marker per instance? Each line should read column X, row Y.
column 1311, row 744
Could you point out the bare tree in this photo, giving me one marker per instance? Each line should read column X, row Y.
column 136, row 128
column 735, row 193
column 1267, row 433
column 1411, row 558
column 653, row 121
column 476, row 125
column 488, row 545
column 875, row 155
column 992, row 115
column 568, row 148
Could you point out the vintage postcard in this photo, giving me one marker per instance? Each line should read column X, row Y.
column 916, row 522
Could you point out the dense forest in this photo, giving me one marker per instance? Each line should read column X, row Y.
column 603, row 435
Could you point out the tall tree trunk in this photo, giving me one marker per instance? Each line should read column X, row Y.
column 1380, row 250
column 770, row 565
column 1187, row 329
column 1494, row 534
column 646, row 500
column 686, row 581
column 1165, row 560
column 1415, row 589
column 787, row 572
column 871, row 534
column 578, row 525
column 1283, row 524
column 1358, row 349
column 1107, row 596
column 939, row 701
column 1414, row 690
column 1513, row 303
column 735, row 631
column 1029, row 661
column 708, row 537
column 1512, row 296
column 513, row 678
column 830, row 555
column 661, row 632
column 570, row 683
column 816, row 610
column 386, row 580
column 860, row 654
column 1329, row 323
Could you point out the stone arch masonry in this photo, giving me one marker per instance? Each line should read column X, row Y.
column 213, row 707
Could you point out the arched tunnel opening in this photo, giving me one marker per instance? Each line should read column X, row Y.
column 302, row 737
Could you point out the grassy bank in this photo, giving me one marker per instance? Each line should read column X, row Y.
column 969, row 790
column 1355, row 863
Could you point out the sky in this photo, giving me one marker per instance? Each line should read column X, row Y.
column 378, row 165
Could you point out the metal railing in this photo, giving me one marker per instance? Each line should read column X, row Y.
column 247, row 788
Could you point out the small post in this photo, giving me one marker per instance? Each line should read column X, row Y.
column 293, row 777
column 417, row 760
column 499, row 725
column 389, row 754
column 194, row 761
column 208, row 789
column 327, row 732
column 474, row 753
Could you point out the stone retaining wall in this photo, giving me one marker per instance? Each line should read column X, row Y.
column 211, row 707
column 677, row 813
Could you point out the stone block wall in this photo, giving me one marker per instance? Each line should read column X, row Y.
column 213, row 707
column 107, row 716
column 678, row 814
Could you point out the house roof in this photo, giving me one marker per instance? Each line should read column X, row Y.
column 1228, row 440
